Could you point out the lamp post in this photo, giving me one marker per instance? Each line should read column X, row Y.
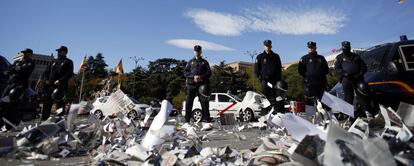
column 136, row 60
column 252, row 54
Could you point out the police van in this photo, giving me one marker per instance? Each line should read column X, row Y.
column 390, row 72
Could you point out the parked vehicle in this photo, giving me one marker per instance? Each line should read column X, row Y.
column 133, row 108
column 252, row 106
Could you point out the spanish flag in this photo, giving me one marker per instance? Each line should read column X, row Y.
column 83, row 64
column 119, row 69
column 401, row 1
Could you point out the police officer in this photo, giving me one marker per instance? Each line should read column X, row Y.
column 313, row 68
column 56, row 75
column 4, row 67
column 197, row 73
column 350, row 69
column 268, row 70
column 17, row 84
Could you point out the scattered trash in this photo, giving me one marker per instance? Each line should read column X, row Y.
column 275, row 139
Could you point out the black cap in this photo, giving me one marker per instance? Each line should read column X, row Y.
column 311, row 44
column 27, row 50
column 62, row 48
column 197, row 48
column 346, row 44
column 267, row 42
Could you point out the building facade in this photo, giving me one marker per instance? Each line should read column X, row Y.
column 240, row 65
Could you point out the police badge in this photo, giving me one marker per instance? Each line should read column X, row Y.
column 264, row 61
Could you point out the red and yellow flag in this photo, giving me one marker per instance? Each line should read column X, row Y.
column 83, row 64
column 119, row 69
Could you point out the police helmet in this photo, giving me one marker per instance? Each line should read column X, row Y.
column 58, row 94
column 363, row 88
column 204, row 91
column 282, row 85
column 16, row 94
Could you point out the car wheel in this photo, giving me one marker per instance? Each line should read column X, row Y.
column 246, row 115
column 98, row 114
column 132, row 114
column 197, row 115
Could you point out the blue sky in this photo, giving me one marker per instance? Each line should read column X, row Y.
column 227, row 29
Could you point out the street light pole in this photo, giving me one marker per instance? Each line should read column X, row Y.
column 252, row 54
column 136, row 60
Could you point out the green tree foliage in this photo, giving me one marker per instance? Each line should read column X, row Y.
column 224, row 79
column 295, row 82
column 164, row 79
column 252, row 80
column 94, row 73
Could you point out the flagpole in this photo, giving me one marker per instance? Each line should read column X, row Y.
column 119, row 81
column 81, row 87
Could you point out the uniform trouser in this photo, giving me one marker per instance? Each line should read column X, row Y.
column 192, row 92
column 48, row 101
column 361, row 104
column 2, row 86
column 348, row 86
column 10, row 111
column 271, row 94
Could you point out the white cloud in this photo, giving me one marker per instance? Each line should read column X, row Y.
column 218, row 23
column 190, row 43
column 270, row 19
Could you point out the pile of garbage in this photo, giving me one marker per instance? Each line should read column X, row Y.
column 285, row 139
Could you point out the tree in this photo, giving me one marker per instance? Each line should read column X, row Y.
column 252, row 80
column 99, row 69
column 163, row 80
column 95, row 72
column 295, row 82
column 224, row 79
column 135, row 82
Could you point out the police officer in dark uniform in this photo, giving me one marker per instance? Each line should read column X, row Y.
column 350, row 69
column 17, row 84
column 56, row 75
column 268, row 70
column 197, row 73
column 313, row 68
column 4, row 67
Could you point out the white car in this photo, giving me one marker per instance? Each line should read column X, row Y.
column 220, row 103
column 132, row 108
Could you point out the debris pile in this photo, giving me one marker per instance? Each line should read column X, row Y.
column 281, row 139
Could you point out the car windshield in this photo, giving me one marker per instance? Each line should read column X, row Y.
column 134, row 100
column 235, row 97
column 374, row 56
